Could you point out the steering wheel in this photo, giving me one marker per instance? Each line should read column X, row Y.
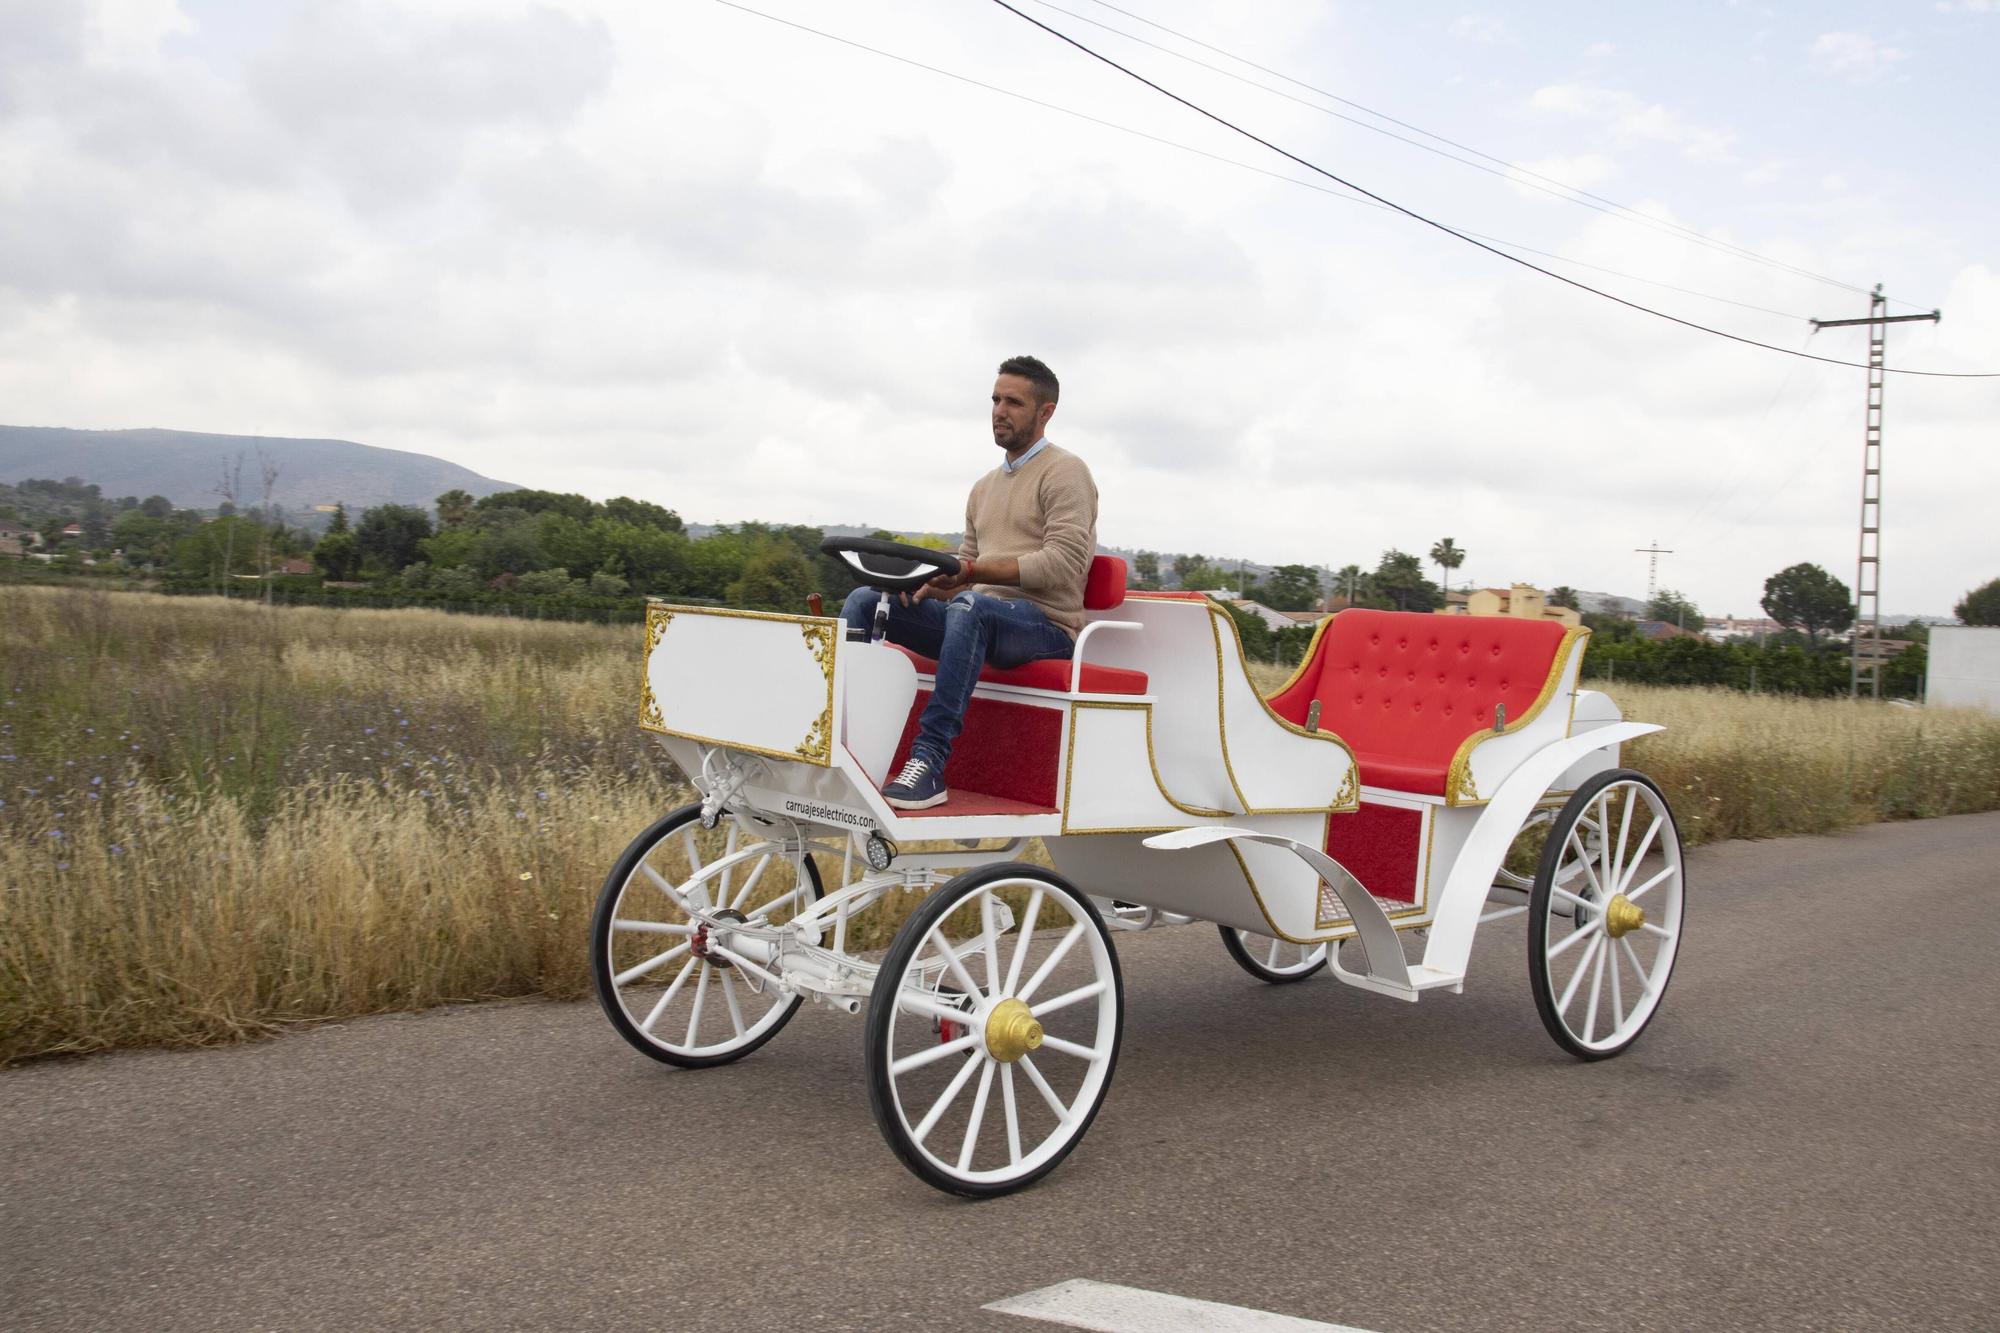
column 890, row 566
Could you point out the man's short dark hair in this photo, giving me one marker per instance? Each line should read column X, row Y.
column 1035, row 373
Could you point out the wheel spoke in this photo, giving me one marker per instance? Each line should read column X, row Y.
column 952, row 961
column 633, row 973
column 735, row 1009
column 933, row 1054
column 1021, row 949
column 765, row 911
column 1645, row 978
column 728, row 866
column 1013, row 1114
column 978, row 1116
column 1556, row 950
column 1596, row 986
column 1632, row 866
column 667, row 998
column 1271, row 959
column 1042, row 1086
column 1618, row 848
column 1604, row 831
column 1069, row 998
column 1575, row 900
column 1569, row 991
column 1652, row 929
column 1056, row 954
column 750, row 884
column 700, row 997
column 1583, row 859
column 1069, row 1048
column 1617, row 998
column 1651, row 883
column 652, row 927
column 988, row 946
column 947, row 1097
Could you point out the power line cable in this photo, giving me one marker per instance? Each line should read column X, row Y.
column 1449, row 231
column 1340, row 194
column 1577, row 194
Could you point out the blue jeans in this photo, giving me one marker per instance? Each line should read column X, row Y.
column 963, row 634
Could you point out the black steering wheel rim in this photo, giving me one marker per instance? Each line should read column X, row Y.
column 890, row 566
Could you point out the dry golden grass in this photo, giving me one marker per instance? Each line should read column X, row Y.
column 217, row 820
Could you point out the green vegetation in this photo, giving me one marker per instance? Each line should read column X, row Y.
column 1981, row 606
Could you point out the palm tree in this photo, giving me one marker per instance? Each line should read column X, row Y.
column 1446, row 556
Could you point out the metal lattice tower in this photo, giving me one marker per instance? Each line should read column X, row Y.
column 1653, row 554
column 1865, row 654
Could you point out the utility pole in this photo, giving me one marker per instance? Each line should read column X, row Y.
column 1868, row 560
column 1655, row 551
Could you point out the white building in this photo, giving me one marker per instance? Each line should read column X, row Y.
column 1964, row 668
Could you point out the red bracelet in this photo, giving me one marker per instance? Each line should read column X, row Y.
column 965, row 570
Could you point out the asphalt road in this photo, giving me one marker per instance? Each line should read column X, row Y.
column 1804, row 1139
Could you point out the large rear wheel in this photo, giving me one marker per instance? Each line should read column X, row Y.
column 1604, row 918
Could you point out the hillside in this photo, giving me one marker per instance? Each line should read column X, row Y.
column 184, row 466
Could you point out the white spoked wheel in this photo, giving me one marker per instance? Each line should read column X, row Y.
column 1604, row 919
column 1274, row 960
column 659, row 985
column 1005, row 976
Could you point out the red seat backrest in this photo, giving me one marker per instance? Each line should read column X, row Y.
column 1414, row 686
column 1104, row 586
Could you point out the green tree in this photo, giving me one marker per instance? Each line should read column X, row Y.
column 578, row 507
column 338, row 523
column 1981, row 606
column 157, row 506
column 1447, row 556
column 1194, row 573
column 1806, row 597
column 454, row 507
column 1564, row 595
column 1291, row 588
column 338, row 556
column 1146, row 570
column 1399, row 577
column 1252, row 630
column 775, row 578
column 642, row 513
column 391, row 536
column 1671, row 608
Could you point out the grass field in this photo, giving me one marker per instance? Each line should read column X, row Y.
column 216, row 820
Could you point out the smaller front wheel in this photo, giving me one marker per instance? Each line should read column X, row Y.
column 1273, row 960
column 1005, row 976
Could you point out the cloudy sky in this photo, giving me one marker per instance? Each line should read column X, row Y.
column 685, row 252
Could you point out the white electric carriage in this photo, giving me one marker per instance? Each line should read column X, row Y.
column 1419, row 775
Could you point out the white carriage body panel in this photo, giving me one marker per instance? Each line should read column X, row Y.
column 776, row 698
column 1496, row 755
column 1593, row 710
column 1231, row 885
column 878, row 685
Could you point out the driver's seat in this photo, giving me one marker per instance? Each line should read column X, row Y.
column 1103, row 590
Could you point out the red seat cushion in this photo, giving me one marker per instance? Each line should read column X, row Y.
column 1050, row 673
column 1404, row 689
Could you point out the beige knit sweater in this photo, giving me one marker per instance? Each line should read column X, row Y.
column 1045, row 516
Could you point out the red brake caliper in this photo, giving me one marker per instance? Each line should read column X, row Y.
column 947, row 1031
column 698, row 946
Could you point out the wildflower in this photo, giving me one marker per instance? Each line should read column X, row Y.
column 527, row 874
column 116, row 850
column 97, row 782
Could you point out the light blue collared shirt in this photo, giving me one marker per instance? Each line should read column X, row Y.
column 1013, row 465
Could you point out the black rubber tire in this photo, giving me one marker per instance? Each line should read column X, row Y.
column 600, row 949
column 875, row 1041
column 1539, row 980
column 1257, row 969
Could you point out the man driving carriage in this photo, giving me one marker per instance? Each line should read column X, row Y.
column 1030, row 534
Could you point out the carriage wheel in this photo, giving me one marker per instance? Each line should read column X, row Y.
column 661, row 990
column 1274, row 960
column 1604, row 920
column 1005, row 976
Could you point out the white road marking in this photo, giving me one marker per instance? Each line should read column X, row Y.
column 1108, row 1308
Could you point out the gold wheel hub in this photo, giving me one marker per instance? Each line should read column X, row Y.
column 1011, row 1031
column 1622, row 916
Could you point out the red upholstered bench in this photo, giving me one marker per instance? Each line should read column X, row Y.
column 1104, row 589
column 1406, row 690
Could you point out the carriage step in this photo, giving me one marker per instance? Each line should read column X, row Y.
column 960, row 802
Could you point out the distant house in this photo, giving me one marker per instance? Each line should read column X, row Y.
column 1275, row 619
column 1659, row 630
column 1523, row 601
column 298, row 564
column 1732, row 627
column 72, row 532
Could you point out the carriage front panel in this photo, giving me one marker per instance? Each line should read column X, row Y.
column 753, row 681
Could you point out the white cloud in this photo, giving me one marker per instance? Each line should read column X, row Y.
column 1627, row 118
column 1600, row 51
column 1482, row 28
column 1854, row 56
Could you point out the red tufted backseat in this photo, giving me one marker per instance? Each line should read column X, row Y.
column 1404, row 689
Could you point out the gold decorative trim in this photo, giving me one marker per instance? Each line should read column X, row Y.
column 1459, row 788
column 1408, row 919
column 1306, row 660
column 657, row 617
column 817, row 747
